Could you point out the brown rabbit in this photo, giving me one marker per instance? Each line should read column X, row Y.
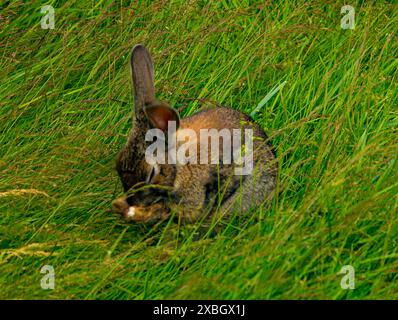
column 191, row 189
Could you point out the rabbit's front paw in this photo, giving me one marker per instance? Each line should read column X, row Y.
column 140, row 213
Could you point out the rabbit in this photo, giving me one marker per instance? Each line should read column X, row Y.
column 192, row 190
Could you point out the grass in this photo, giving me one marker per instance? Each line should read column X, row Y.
column 65, row 108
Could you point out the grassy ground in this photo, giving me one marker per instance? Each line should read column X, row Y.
column 65, row 107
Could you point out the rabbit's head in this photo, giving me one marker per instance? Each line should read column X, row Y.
column 147, row 183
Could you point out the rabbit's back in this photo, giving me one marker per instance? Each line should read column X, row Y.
column 201, row 187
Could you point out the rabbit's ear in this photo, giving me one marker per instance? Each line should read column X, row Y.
column 142, row 72
column 160, row 115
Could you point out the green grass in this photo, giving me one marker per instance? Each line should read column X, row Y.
column 65, row 108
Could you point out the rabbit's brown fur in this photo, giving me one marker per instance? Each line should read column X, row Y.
column 191, row 190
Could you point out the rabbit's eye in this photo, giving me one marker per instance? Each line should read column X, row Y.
column 153, row 173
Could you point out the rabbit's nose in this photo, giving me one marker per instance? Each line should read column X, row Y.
column 120, row 206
